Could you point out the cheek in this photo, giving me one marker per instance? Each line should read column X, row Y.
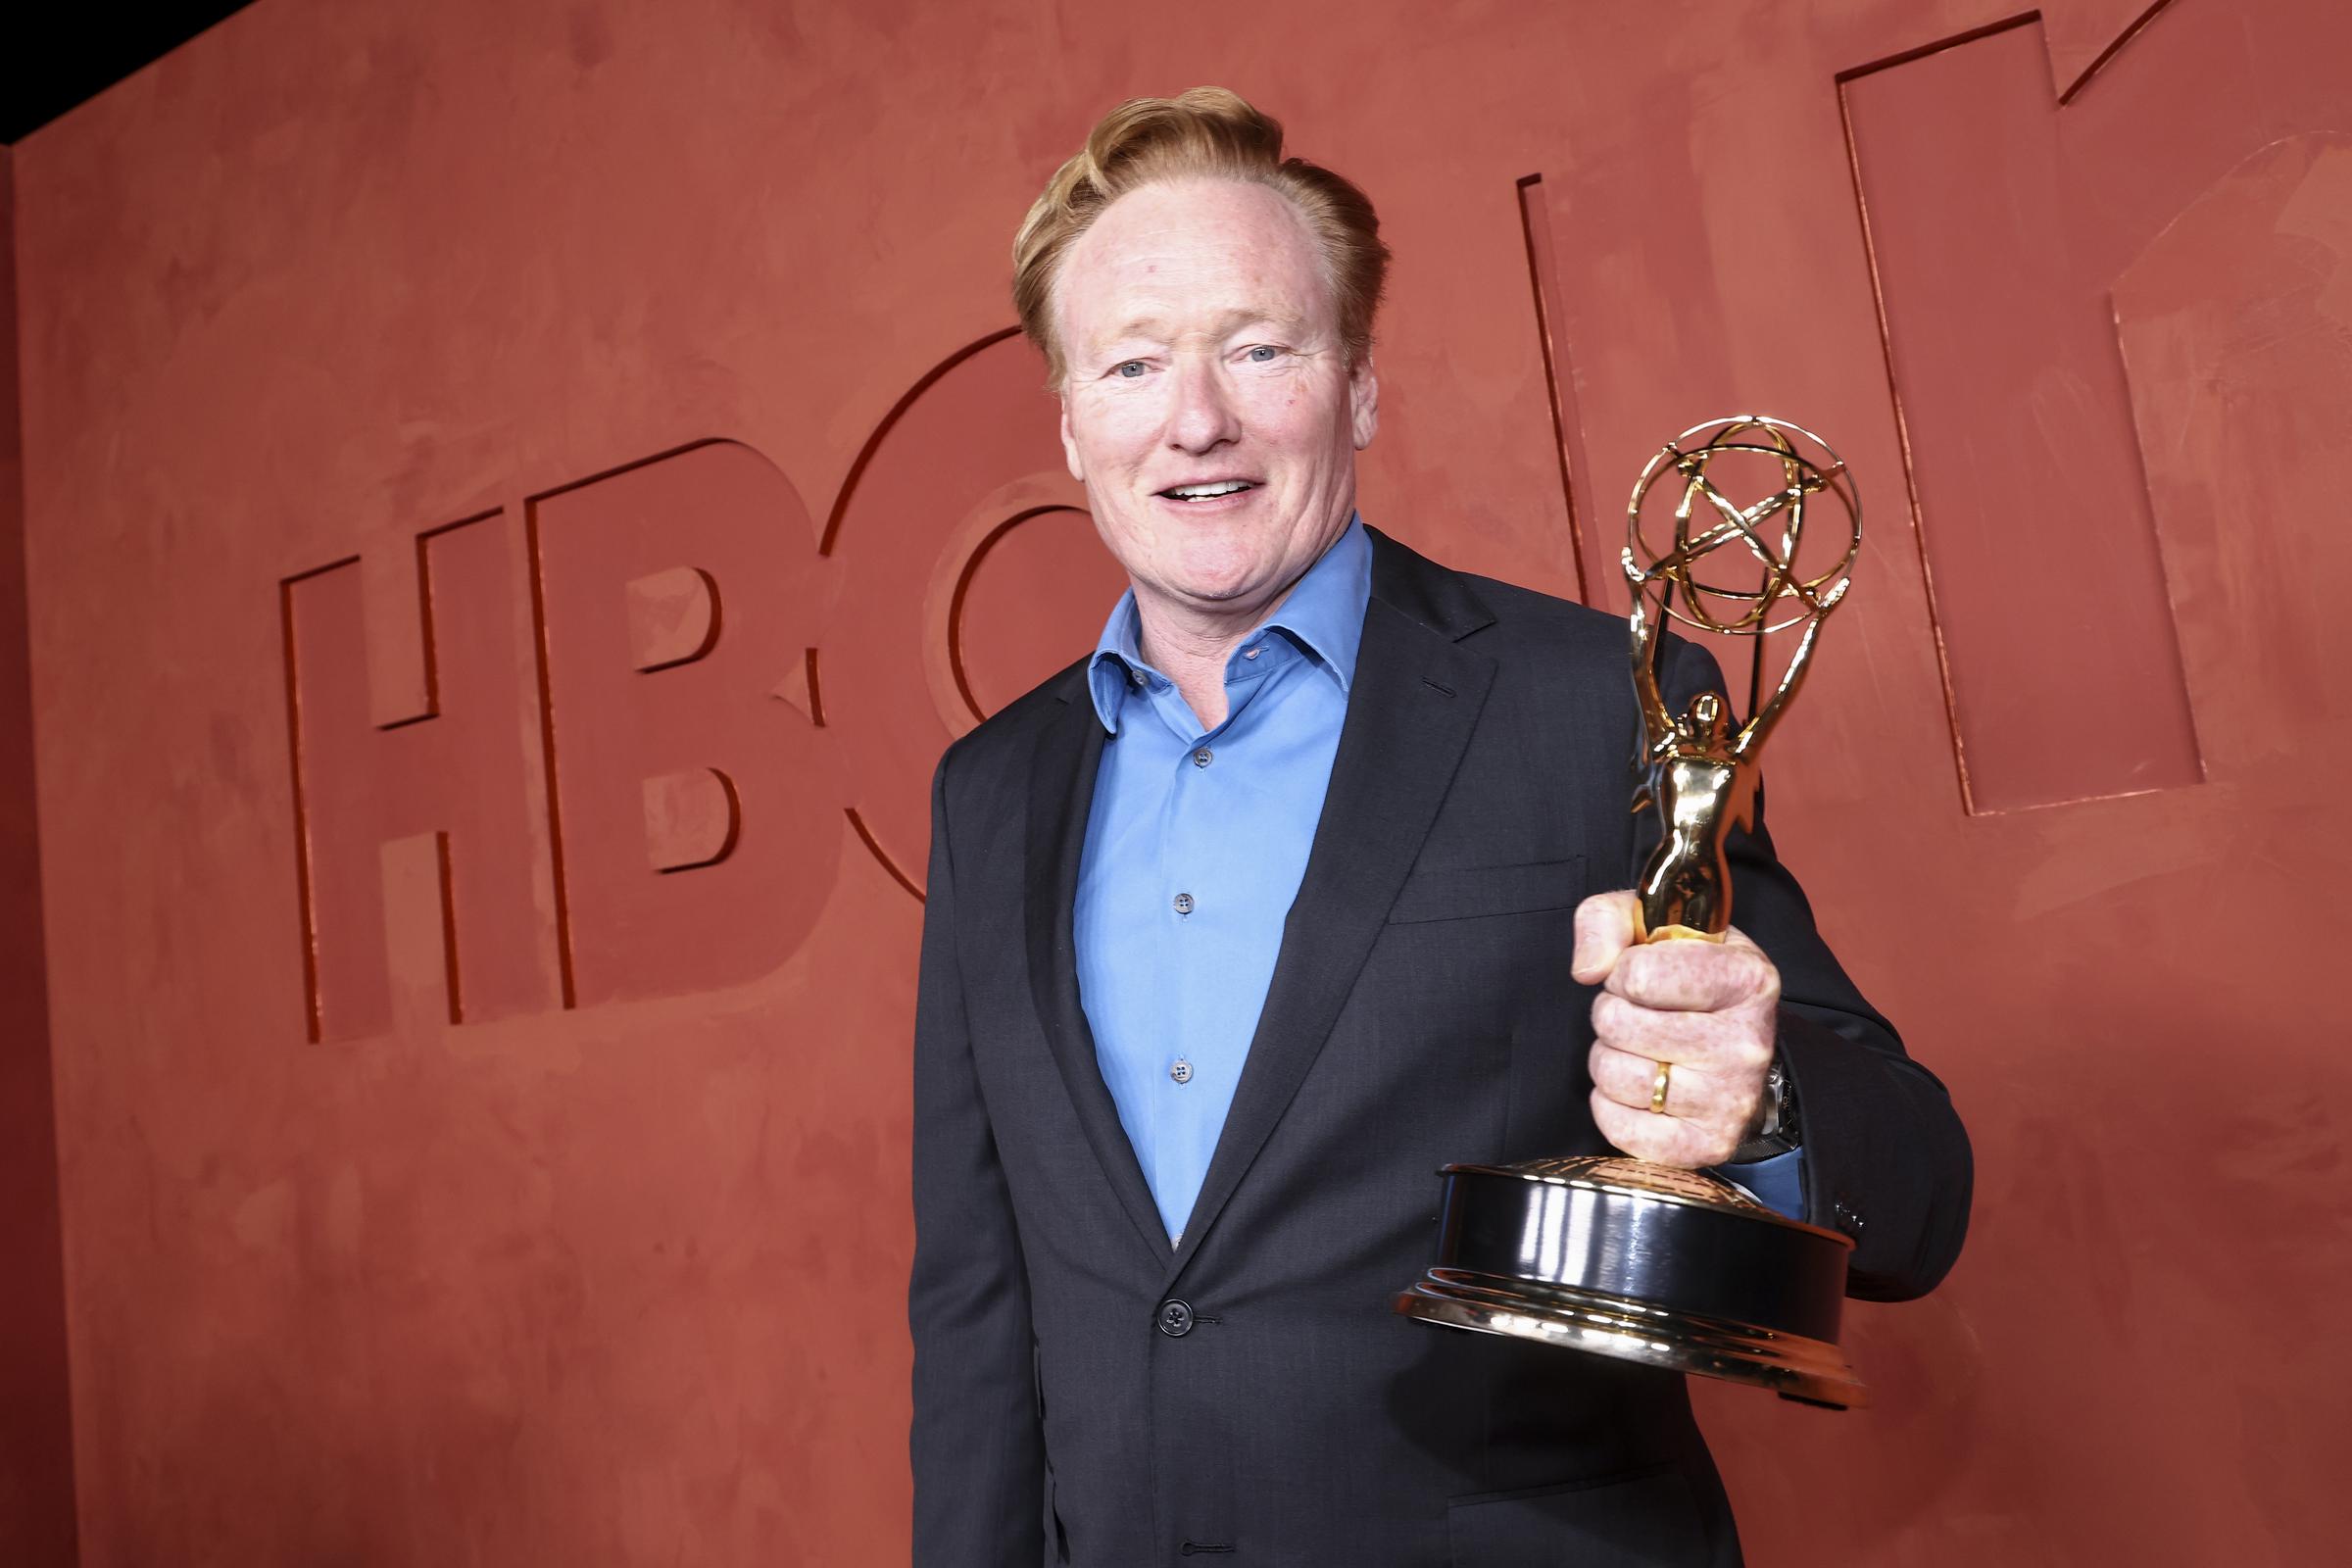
column 1295, row 415
column 1118, row 431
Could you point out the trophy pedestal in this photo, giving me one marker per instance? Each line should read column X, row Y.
column 1670, row 1269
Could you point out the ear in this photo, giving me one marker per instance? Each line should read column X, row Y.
column 1070, row 443
column 1364, row 401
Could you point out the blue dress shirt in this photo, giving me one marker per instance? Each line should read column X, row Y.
column 1195, row 848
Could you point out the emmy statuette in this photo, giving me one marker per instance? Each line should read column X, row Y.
column 1674, row 1268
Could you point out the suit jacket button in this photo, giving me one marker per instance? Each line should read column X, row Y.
column 1175, row 1318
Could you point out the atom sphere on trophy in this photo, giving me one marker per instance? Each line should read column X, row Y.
column 1673, row 525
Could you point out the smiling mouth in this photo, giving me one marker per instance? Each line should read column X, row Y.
column 1217, row 491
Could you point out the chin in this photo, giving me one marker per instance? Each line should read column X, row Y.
column 1221, row 581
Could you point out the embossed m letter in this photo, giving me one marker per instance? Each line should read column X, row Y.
column 2001, row 219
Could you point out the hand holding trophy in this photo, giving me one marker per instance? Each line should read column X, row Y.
column 1618, row 1257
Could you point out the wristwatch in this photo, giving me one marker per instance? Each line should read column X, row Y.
column 1779, row 1132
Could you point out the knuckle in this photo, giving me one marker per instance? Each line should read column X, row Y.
column 1710, row 1144
column 1709, row 1043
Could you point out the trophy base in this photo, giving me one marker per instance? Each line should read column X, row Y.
column 1647, row 1263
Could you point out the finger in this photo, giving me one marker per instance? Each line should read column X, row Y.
column 1717, row 1101
column 1738, row 1040
column 1623, row 1076
column 1634, row 1132
column 1605, row 929
column 1688, row 976
column 1663, row 1140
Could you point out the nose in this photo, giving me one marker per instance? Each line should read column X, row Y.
column 1204, row 416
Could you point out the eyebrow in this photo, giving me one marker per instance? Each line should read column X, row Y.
column 1154, row 327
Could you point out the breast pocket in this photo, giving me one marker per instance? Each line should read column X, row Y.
column 1648, row 1520
column 1475, row 892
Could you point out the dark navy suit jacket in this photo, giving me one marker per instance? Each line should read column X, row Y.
column 1421, row 1012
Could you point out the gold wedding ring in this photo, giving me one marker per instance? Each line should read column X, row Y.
column 1657, row 1087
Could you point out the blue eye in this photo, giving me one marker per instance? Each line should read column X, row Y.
column 1129, row 369
column 1264, row 354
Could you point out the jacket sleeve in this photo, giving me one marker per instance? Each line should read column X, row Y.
column 977, row 1451
column 1886, row 1158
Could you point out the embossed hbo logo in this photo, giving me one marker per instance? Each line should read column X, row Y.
column 610, row 740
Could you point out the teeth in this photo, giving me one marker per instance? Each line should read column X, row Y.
column 1226, row 487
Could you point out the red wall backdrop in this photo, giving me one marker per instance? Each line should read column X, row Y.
column 516, row 496
column 36, row 1451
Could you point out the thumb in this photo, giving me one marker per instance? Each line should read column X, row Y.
column 1605, row 929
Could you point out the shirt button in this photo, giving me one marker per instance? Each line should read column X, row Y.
column 1135, row 678
column 1184, row 903
column 1181, row 1071
column 1254, row 652
column 1203, row 757
column 1175, row 1318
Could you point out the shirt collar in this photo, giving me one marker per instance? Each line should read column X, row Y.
column 1324, row 615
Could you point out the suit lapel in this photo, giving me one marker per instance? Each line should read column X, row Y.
column 1411, row 709
column 1061, row 793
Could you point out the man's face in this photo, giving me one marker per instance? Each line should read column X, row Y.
column 1202, row 348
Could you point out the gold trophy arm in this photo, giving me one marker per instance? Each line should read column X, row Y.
column 1752, row 734
column 1657, row 722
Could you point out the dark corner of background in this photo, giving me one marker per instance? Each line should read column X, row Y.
column 53, row 57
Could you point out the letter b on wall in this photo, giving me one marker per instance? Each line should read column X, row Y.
column 551, row 770
column 695, row 816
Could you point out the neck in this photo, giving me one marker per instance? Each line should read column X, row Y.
column 1191, row 647
column 1192, row 643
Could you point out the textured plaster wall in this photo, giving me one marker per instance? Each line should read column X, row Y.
column 480, row 904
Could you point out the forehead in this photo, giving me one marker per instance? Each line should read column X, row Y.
column 1184, row 255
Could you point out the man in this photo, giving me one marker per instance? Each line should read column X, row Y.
column 1294, row 890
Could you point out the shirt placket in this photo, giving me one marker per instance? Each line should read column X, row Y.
column 1201, row 1059
column 1179, row 960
